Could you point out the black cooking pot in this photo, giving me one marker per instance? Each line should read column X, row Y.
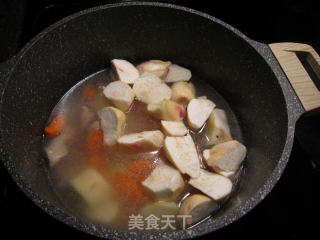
column 246, row 73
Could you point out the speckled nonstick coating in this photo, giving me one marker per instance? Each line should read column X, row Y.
column 243, row 71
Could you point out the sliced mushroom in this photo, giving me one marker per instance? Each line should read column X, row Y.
column 112, row 124
column 217, row 129
column 177, row 73
column 120, row 94
column 164, row 182
column 144, row 141
column 198, row 111
column 182, row 152
column 213, row 185
column 150, row 89
column 124, row 71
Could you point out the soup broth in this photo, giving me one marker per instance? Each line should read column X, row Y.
column 120, row 169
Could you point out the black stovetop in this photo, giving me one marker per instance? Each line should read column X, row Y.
column 293, row 205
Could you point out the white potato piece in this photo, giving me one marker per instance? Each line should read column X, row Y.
column 124, row 71
column 226, row 156
column 56, row 150
column 206, row 156
column 213, row 185
column 159, row 209
column 164, row 182
column 217, row 129
column 147, row 140
column 112, row 121
column 150, row 89
column 177, row 73
column 198, row 111
column 167, row 110
column 86, row 116
column 91, row 186
column 182, row 152
column 183, row 92
column 103, row 213
column 174, row 128
column 198, row 206
column 120, row 94
column 156, row 67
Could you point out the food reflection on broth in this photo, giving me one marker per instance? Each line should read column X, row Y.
column 142, row 148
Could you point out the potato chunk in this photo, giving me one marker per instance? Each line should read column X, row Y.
column 147, row 140
column 112, row 124
column 91, row 186
column 167, row 110
column 174, row 128
column 226, row 156
column 198, row 206
column 164, row 182
column 120, row 94
column 124, row 71
column 159, row 209
column 182, row 152
column 217, row 129
column 213, row 185
column 177, row 73
column 56, row 150
column 103, row 213
column 156, row 67
column 98, row 194
column 86, row 116
column 198, row 111
column 150, row 89
column 183, row 92
column 206, row 156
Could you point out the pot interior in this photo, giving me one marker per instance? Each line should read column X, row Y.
column 80, row 46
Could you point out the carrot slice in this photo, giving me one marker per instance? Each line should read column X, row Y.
column 55, row 127
column 94, row 141
column 98, row 162
column 129, row 189
column 140, row 169
column 89, row 92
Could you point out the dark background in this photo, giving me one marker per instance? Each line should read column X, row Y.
column 293, row 207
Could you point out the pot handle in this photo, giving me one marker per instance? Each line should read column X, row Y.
column 301, row 64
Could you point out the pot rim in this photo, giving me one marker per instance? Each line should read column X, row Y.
column 294, row 110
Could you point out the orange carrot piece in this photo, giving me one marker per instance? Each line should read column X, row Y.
column 89, row 92
column 127, row 188
column 140, row 169
column 94, row 141
column 55, row 127
column 98, row 162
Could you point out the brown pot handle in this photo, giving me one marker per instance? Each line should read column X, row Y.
column 297, row 60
